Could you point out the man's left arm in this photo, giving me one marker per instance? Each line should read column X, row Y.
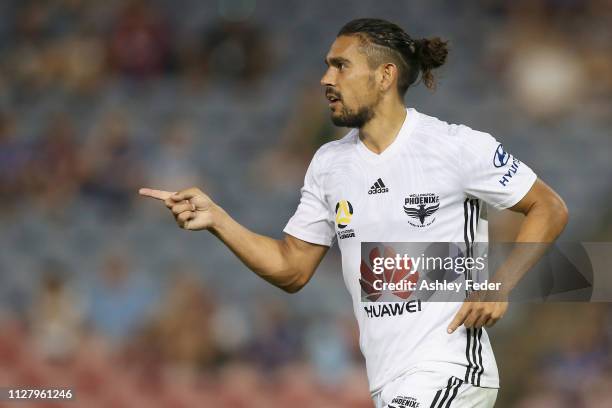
column 546, row 216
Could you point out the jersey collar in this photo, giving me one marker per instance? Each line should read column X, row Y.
column 412, row 117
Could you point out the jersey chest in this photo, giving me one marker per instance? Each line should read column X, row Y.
column 409, row 200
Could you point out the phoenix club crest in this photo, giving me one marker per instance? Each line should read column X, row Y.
column 421, row 207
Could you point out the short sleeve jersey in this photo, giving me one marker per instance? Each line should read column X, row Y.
column 432, row 184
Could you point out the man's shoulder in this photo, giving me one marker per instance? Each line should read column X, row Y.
column 452, row 138
column 335, row 148
column 433, row 127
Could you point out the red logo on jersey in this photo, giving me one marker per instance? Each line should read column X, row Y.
column 375, row 285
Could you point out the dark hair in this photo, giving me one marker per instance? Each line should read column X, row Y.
column 383, row 41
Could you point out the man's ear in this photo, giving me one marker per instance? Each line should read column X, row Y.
column 388, row 76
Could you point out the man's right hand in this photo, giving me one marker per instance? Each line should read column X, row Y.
column 288, row 263
column 192, row 209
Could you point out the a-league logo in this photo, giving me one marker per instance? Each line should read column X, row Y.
column 344, row 215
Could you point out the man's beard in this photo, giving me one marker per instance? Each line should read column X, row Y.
column 353, row 119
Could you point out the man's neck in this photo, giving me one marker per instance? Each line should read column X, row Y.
column 383, row 128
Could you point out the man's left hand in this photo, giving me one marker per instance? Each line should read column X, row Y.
column 480, row 309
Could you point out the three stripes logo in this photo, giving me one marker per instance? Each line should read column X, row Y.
column 445, row 396
column 378, row 187
column 473, row 347
column 473, row 353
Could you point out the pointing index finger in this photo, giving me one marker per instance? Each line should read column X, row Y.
column 459, row 318
column 157, row 194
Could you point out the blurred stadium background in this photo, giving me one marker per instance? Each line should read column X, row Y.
column 101, row 292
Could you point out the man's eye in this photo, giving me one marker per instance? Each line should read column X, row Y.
column 341, row 66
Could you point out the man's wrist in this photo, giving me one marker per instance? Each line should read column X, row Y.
column 502, row 290
column 218, row 220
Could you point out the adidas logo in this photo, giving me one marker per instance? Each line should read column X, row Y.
column 378, row 188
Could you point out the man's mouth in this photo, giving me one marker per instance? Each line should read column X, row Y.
column 333, row 99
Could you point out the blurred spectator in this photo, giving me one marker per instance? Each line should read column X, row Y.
column 553, row 62
column 580, row 355
column 121, row 300
column 55, row 47
column 14, row 158
column 547, row 80
column 232, row 331
column 277, row 338
column 308, row 126
column 56, row 168
column 182, row 329
column 112, row 168
column 328, row 349
column 174, row 163
column 235, row 51
column 79, row 62
column 57, row 314
column 32, row 22
column 140, row 45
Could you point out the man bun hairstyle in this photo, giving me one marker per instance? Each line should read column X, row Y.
column 432, row 53
column 383, row 41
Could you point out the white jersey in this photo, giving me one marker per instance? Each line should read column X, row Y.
column 354, row 195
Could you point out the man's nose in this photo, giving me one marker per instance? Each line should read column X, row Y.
column 328, row 79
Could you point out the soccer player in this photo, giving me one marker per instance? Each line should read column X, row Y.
column 398, row 176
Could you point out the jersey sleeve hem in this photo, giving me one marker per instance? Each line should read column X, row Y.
column 308, row 237
column 518, row 194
